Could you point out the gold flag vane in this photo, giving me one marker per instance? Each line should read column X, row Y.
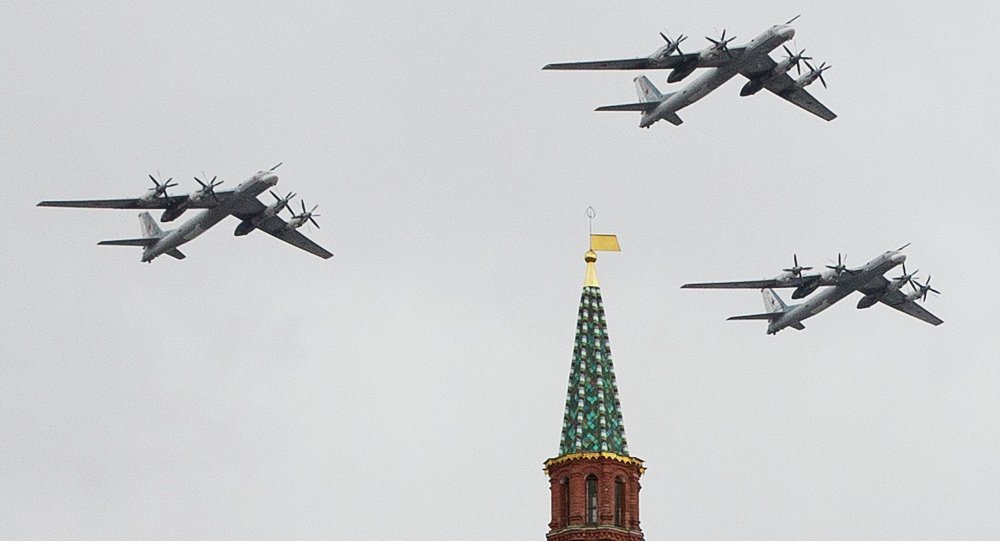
column 598, row 243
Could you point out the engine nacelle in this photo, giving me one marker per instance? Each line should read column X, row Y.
column 244, row 228
column 868, row 300
column 805, row 289
column 753, row 86
column 682, row 71
column 172, row 213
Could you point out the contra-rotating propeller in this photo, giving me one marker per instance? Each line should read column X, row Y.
column 674, row 44
column 796, row 269
column 209, row 188
column 282, row 202
column 796, row 58
column 306, row 216
column 907, row 277
column 818, row 72
column 161, row 189
column 722, row 44
column 841, row 266
column 925, row 288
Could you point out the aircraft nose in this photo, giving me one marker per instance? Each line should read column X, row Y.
column 787, row 33
column 898, row 258
column 270, row 179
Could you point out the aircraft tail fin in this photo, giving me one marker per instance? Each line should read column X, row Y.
column 772, row 302
column 150, row 229
column 776, row 309
column 647, row 92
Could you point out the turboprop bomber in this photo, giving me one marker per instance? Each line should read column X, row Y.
column 722, row 63
column 240, row 202
column 841, row 281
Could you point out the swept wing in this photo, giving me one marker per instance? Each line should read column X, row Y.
column 897, row 299
column 752, row 284
column 277, row 228
column 647, row 63
column 784, row 86
column 142, row 204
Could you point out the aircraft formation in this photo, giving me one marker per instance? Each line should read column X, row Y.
column 719, row 61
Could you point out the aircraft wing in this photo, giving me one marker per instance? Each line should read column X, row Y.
column 898, row 300
column 749, row 284
column 784, row 86
column 275, row 227
column 138, row 203
column 648, row 63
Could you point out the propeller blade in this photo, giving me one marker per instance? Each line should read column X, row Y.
column 313, row 222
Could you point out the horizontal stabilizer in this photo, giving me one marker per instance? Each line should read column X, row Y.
column 149, row 241
column 176, row 254
column 798, row 326
column 642, row 107
column 768, row 316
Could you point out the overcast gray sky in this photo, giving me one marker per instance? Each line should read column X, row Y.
column 412, row 386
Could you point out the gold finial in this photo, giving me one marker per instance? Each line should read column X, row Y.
column 604, row 243
column 590, row 280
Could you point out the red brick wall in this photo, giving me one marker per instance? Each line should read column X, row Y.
column 574, row 527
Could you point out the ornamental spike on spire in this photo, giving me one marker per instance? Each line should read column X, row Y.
column 592, row 421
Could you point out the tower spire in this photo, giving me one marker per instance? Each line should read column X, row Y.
column 594, row 482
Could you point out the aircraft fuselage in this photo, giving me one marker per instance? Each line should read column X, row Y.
column 847, row 284
column 713, row 78
column 205, row 219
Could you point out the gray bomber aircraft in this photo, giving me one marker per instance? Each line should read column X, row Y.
column 843, row 281
column 241, row 203
column 723, row 63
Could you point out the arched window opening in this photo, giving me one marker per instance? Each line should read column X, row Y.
column 619, row 502
column 591, row 499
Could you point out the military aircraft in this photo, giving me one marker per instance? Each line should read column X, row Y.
column 723, row 63
column 241, row 203
column 843, row 281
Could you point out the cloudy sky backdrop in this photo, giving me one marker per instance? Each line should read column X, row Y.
column 412, row 386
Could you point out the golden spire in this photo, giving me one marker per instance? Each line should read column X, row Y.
column 591, row 279
column 603, row 243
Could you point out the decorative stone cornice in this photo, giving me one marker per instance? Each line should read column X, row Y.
column 629, row 460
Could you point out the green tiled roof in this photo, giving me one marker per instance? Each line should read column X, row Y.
column 593, row 419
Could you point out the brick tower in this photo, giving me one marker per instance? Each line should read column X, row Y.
column 594, row 482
